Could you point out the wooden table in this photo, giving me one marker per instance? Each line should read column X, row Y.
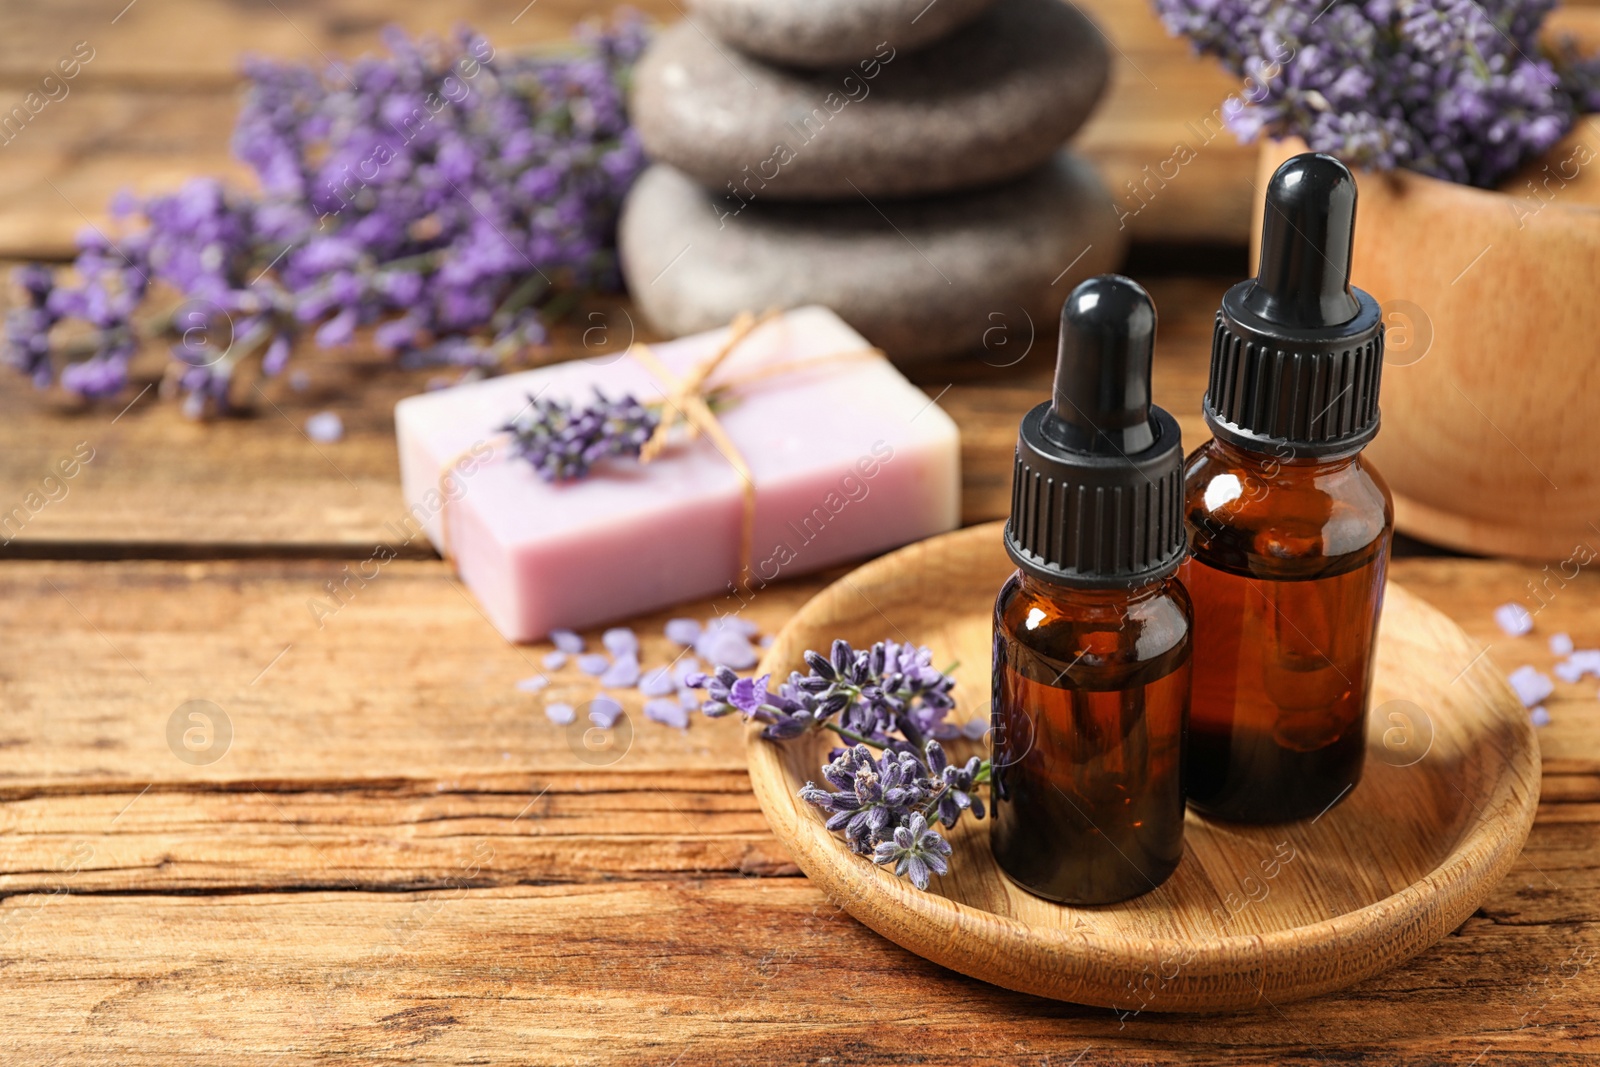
column 397, row 857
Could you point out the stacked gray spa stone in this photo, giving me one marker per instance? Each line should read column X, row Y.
column 899, row 161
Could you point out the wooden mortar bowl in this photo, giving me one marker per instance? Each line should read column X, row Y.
column 1490, row 439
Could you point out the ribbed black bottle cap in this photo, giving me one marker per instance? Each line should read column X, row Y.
column 1098, row 484
column 1297, row 352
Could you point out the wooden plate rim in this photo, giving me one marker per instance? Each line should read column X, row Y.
column 1417, row 915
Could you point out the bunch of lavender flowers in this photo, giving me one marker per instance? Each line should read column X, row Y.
column 561, row 441
column 889, row 699
column 1461, row 90
column 448, row 195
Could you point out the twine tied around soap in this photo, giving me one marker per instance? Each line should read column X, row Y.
column 689, row 399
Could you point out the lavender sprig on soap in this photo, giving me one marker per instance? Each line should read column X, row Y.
column 561, row 441
column 889, row 698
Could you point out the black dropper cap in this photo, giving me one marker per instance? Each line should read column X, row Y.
column 1297, row 351
column 1097, row 488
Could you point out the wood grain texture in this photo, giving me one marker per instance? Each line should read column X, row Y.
column 1253, row 915
column 225, row 917
column 156, row 102
column 709, row 971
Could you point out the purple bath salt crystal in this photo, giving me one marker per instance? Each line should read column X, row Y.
column 683, row 631
column 667, row 713
column 604, row 712
column 734, row 623
column 620, row 641
column 1539, row 716
column 727, row 648
column 534, row 684
column 657, row 683
column 766, row 641
column 1514, row 619
column 1568, row 671
column 566, row 641
column 690, row 698
column 975, row 729
column 560, row 714
column 595, row 663
column 622, row 674
column 554, row 661
column 1531, row 686
column 683, row 668
column 325, row 427
column 1561, row 644
column 1586, row 661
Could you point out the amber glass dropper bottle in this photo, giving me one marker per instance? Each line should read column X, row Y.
column 1289, row 528
column 1091, row 634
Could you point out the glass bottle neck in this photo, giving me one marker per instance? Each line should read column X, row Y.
column 1090, row 599
column 1271, row 461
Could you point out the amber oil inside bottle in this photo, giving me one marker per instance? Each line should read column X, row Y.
column 1286, row 568
column 1090, row 706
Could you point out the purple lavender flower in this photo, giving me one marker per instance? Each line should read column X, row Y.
column 562, row 441
column 445, row 195
column 1457, row 89
column 889, row 697
column 915, row 850
column 28, row 327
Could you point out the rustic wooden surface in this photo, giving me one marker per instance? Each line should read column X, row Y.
column 398, row 858
column 1254, row 915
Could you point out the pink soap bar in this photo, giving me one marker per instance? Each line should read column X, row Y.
column 848, row 459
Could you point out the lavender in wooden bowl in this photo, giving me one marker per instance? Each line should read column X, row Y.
column 1479, row 235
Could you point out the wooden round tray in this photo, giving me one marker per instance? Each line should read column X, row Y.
column 1253, row 915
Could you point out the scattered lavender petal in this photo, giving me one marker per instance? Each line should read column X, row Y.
column 560, row 714
column 620, row 641
column 667, row 713
column 567, row 641
column 975, row 729
column 683, row 631
column 604, row 712
column 1586, row 661
column 1561, row 644
column 734, row 623
column 1514, row 619
column 1539, row 716
column 554, row 661
column 1530, row 685
column 622, row 674
column 595, row 663
column 534, row 684
column 658, row 683
column 683, row 668
column 325, row 427
column 728, row 648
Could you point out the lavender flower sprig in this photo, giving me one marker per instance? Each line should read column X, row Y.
column 450, row 196
column 888, row 698
column 1461, row 90
column 561, row 441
